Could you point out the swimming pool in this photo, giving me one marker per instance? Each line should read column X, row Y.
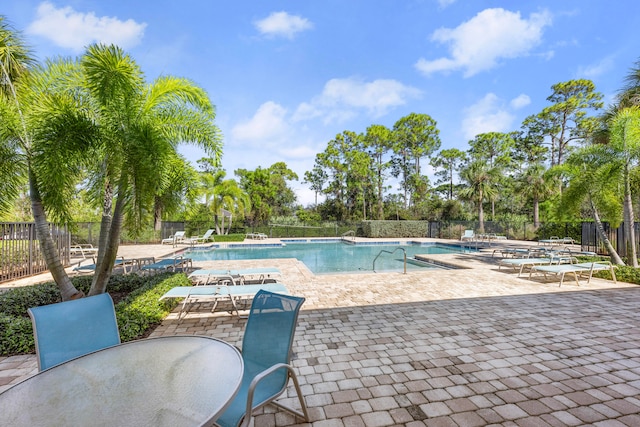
column 333, row 257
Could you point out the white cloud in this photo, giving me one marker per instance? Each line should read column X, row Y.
column 479, row 43
column 446, row 3
column 520, row 101
column 487, row 115
column 598, row 69
column 74, row 30
column 343, row 98
column 266, row 124
column 282, row 24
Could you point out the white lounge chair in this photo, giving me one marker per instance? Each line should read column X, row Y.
column 575, row 269
column 177, row 237
column 258, row 236
column 531, row 262
column 216, row 293
column 83, row 249
column 468, row 235
column 553, row 240
column 201, row 239
column 209, row 276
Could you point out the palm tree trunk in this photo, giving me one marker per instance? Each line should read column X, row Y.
column 615, row 258
column 480, row 214
column 629, row 221
column 109, row 250
column 157, row 214
column 536, row 212
column 47, row 246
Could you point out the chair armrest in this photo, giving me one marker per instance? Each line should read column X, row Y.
column 254, row 383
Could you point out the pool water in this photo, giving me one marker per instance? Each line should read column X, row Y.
column 333, row 257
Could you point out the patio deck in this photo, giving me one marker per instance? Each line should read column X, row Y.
column 469, row 347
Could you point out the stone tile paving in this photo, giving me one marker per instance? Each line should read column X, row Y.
column 468, row 347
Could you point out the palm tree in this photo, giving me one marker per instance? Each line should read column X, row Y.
column 223, row 194
column 592, row 177
column 180, row 181
column 537, row 184
column 28, row 148
column 139, row 127
column 625, row 141
column 478, row 180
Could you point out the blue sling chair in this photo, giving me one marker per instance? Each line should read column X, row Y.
column 70, row 329
column 266, row 351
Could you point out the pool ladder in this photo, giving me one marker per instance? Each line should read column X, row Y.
column 349, row 233
column 391, row 252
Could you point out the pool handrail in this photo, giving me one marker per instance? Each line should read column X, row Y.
column 391, row 252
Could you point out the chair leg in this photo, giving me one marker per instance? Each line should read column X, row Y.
column 304, row 415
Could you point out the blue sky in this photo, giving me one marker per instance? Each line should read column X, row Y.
column 287, row 76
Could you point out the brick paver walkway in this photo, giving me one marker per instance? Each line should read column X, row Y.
column 450, row 348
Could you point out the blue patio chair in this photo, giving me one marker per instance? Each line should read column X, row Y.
column 266, row 351
column 74, row 328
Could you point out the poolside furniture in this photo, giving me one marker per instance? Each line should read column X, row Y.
column 177, row 237
column 266, row 351
column 216, row 293
column 553, row 240
column 83, row 250
column 531, row 262
column 70, row 329
column 167, row 264
column 576, row 270
column 530, row 252
column 162, row 382
column 258, row 236
column 468, row 235
column 119, row 262
column 568, row 240
column 208, row 235
column 235, row 277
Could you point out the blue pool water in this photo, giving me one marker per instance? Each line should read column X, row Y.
column 332, row 257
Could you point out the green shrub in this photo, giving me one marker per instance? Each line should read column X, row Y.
column 142, row 309
column 136, row 313
column 16, row 335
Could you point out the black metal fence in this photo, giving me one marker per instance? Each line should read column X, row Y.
column 20, row 254
column 591, row 240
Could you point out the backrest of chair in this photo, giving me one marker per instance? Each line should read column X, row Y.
column 179, row 234
column 468, row 233
column 270, row 329
column 70, row 329
column 208, row 234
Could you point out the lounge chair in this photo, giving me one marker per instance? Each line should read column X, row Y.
column 83, row 249
column 216, row 293
column 74, row 328
column 119, row 262
column 258, row 236
column 235, row 277
column 518, row 252
column 201, row 239
column 531, row 262
column 553, row 240
column 266, row 351
column 468, row 235
column 177, row 237
column 575, row 269
column 167, row 264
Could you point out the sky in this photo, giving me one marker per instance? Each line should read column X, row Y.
column 287, row 76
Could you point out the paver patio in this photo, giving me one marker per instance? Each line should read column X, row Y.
column 468, row 347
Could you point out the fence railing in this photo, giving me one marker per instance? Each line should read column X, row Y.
column 20, row 254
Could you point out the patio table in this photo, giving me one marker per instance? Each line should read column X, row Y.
column 165, row 381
